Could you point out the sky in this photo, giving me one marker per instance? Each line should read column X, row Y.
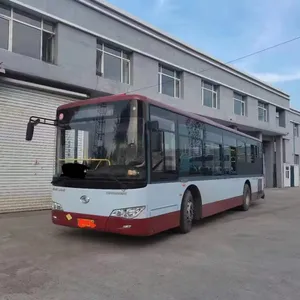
column 230, row 29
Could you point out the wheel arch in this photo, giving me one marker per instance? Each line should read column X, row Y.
column 197, row 200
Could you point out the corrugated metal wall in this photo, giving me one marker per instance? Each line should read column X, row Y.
column 26, row 168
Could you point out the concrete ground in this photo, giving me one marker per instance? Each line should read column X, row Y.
column 236, row 255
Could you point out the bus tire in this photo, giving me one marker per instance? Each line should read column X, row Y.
column 246, row 198
column 186, row 213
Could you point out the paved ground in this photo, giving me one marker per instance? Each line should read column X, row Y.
column 236, row 255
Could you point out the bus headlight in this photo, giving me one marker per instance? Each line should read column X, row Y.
column 56, row 206
column 128, row 213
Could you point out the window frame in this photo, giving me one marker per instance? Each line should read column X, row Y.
column 11, row 18
column 214, row 91
column 242, row 101
column 296, row 130
column 124, row 56
column 263, row 107
column 176, row 77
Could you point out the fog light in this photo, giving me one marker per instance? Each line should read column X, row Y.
column 56, row 206
column 128, row 213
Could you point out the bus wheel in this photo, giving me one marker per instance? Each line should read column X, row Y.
column 186, row 213
column 246, row 198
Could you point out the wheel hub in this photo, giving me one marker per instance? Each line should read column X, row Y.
column 190, row 211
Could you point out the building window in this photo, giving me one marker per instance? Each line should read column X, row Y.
column 296, row 159
column 296, row 130
column 25, row 34
column 239, row 104
column 262, row 112
column 113, row 63
column 209, row 95
column 168, row 81
column 287, row 172
column 277, row 118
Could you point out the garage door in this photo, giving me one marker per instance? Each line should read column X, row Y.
column 26, row 168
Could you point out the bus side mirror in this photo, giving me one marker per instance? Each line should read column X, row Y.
column 30, row 127
column 156, row 141
column 29, row 131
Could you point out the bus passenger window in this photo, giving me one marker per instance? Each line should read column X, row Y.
column 229, row 159
column 212, row 159
column 165, row 161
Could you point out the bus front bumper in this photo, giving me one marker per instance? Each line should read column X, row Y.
column 135, row 227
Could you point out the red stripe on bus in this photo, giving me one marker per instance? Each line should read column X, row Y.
column 137, row 227
column 219, row 206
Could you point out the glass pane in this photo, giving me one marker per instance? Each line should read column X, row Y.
column 4, row 32
column 112, row 67
column 112, row 50
column 170, row 151
column 214, row 100
column 260, row 114
column 229, row 159
column 48, row 26
column 24, row 17
column 26, row 40
column 48, row 46
column 213, row 134
column 99, row 63
column 126, row 70
column 167, row 87
column 159, row 82
column 177, row 92
column 195, row 157
column 207, row 98
column 117, row 140
column 237, row 107
column 243, row 109
column 184, row 155
column 4, row 10
column 164, row 124
column 167, row 71
column 241, row 152
column 212, row 160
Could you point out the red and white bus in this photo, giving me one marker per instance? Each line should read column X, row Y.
column 130, row 165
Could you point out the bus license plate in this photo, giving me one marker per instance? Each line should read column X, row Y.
column 86, row 223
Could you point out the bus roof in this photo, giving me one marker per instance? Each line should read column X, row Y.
column 125, row 97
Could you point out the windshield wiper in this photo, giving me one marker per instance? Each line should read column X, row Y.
column 117, row 181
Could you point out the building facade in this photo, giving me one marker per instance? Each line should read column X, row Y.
column 57, row 51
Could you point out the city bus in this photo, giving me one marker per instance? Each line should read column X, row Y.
column 130, row 165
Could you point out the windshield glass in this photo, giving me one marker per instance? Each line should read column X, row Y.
column 108, row 138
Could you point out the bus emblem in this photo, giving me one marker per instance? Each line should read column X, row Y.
column 84, row 199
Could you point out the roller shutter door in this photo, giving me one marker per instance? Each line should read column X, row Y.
column 26, row 168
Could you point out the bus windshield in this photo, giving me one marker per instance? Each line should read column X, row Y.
column 107, row 138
